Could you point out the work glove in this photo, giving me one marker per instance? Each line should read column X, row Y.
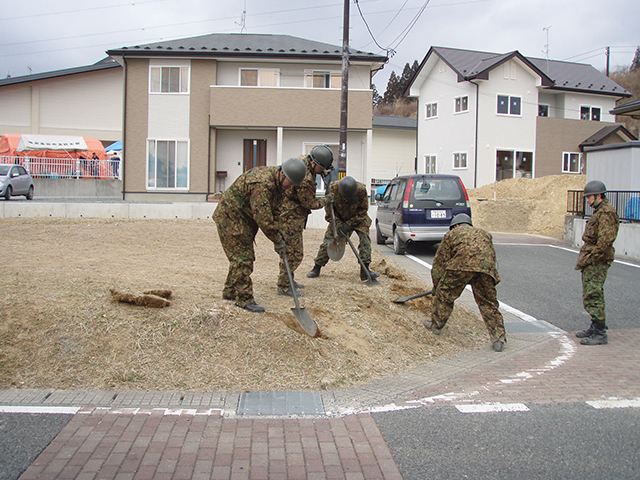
column 280, row 246
column 344, row 229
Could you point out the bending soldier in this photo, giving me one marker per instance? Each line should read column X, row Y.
column 351, row 208
column 466, row 256
column 251, row 202
column 594, row 260
column 296, row 207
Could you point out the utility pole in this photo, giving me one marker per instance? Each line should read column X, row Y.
column 608, row 50
column 342, row 159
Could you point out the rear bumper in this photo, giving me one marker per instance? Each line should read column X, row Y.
column 421, row 234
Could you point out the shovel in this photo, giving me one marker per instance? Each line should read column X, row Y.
column 371, row 281
column 406, row 299
column 303, row 317
column 335, row 246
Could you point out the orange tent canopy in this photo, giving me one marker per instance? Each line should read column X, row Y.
column 50, row 146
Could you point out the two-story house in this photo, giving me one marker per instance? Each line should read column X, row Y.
column 199, row 111
column 488, row 116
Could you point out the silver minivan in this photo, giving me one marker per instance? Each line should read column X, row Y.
column 419, row 208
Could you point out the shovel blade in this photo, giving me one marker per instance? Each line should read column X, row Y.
column 335, row 250
column 305, row 321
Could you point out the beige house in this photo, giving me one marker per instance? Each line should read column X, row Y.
column 84, row 101
column 489, row 116
column 394, row 148
column 199, row 111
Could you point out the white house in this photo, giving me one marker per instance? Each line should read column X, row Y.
column 488, row 116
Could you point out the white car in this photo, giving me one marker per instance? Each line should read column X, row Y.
column 15, row 180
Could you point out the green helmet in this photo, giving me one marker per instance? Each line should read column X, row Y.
column 460, row 218
column 295, row 170
column 594, row 187
column 348, row 187
column 322, row 155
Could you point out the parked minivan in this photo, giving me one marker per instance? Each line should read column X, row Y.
column 419, row 208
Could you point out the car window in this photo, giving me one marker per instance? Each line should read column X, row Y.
column 436, row 189
column 399, row 193
column 14, row 171
column 4, row 169
column 21, row 170
column 388, row 193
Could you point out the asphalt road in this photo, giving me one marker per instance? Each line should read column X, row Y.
column 554, row 441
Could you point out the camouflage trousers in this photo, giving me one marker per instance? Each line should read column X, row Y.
column 364, row 247
column 291, row 228
column 238, row 247
column 593, row 278
column 450, row 288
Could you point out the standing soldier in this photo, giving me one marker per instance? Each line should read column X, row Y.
column 296, row 207
column 351, row 208
column 251, row 202
column 595, row 258
column 466, row 256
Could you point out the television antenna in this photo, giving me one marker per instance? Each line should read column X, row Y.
column 546, row 46
column 243, row 18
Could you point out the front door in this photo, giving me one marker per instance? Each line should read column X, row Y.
column 255, row 154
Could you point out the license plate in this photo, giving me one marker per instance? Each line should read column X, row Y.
column 438, row 214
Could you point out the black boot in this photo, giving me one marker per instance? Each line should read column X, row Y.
column 363, row 273
column 315, row 271
column 588, row 332
column 599, row 336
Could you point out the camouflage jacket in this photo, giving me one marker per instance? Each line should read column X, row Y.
column 599, row 234
column 255, row 195
column 467, row 249
column 354, row 213
column 299, row 201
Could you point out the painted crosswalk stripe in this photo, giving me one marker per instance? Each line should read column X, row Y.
column 39, row 409
column 615, row 403
column 493, row 407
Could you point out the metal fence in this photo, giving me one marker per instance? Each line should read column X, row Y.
column 42, row 167
column 626, row 203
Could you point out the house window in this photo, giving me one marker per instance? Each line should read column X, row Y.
column 169, row 80
column 168, row 164
column 318, row 79
column 430, row 163
column 461, row 104
column 571, row 162
column 257, row 77
column 513, row 164
column 509, row 105
column 590, row 113
column 459, row 160
column 543, row 110
column 431, row 110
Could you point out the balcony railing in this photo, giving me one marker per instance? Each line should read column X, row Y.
column 42, row 167
column 626, row 203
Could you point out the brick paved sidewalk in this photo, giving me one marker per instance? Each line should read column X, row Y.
column 139, row 444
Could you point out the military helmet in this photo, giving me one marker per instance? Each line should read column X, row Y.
column 460, row 218
column 594, row 187
column 322, row 155
column 348, row 187
column 295, row 170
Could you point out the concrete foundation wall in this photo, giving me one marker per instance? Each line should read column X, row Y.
column 83, row 187
column 627, row 244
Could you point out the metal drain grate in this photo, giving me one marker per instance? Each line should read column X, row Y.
column 280, row 403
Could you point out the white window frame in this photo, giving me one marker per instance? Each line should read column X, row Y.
column 567, row 162
column 458, row 157
column 428, row 110
column 329, row 77
column 509, row 113
column 591, row 111
column 259, row 71
column 156, row 74
column 182, row 150
column 458, row 104
column 430, row 164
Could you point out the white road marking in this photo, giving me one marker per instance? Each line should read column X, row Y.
column 39, row 409
column 615, row 403
column 493, row 407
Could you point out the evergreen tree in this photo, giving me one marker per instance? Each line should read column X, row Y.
column 635, row 65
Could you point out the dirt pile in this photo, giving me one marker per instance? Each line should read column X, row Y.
column 524, row 205
column 61, row 328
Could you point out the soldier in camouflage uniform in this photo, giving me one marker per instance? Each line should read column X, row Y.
column 251, row 202
column 351, row 208
column 294, row 210
column 595, row 258
column 466, row 256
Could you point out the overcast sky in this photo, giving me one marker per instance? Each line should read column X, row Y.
column 44, row 35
